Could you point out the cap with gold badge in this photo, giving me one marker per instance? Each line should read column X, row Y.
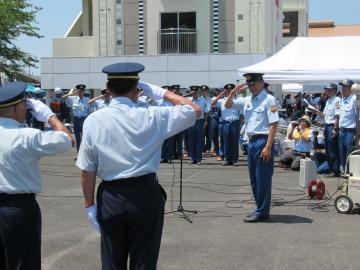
column 253, row 77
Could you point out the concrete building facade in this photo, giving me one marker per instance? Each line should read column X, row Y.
column 192, row 32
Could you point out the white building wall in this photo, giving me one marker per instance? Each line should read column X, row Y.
column 214, row 70
column 258, row 25
column 202, row 9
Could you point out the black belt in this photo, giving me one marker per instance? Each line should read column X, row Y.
column 20, row 196
column 257, row 136
column 138, row 180
column 331, row 125
column 231, row 121
column 347, row 129
column 81, row 117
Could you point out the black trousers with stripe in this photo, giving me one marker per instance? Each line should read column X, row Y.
column 20, row 232
column 131, row 216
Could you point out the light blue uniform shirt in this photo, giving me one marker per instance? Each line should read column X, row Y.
column 80, row 107
column 20, row 151
column 229, row 114
column 208, row 102
column 330, row 109
column 259, row 112
column 128, row 143
column 347, row 112
column 202, row 104
column 100, row 103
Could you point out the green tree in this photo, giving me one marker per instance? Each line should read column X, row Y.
column 17, row 17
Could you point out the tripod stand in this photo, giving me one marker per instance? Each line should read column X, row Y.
column 180, row 207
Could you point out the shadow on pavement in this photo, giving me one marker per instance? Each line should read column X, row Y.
column 289, row 219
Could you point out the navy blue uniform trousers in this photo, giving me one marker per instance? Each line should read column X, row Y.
column 221, row 135
column 208, row 135
column 131, row 216
column 196, row 140
column 260, row 173
column 214, row 122
column 78, row 129
column 332, row 149
column 346, row 142
column 167, row 149
column 231, row 140
column 20, row 232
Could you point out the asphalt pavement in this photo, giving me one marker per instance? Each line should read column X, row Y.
column 302, row 233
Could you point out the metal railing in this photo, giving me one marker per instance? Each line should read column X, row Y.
column 177, row 40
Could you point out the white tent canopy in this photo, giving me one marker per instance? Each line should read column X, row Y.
column 311, row 59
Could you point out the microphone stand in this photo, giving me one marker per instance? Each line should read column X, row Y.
column 181, row 209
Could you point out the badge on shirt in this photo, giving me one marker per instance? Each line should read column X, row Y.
column 273, row 108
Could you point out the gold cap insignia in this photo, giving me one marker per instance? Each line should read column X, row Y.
column 273, row 108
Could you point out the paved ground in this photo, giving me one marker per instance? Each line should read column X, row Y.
column 302, row 234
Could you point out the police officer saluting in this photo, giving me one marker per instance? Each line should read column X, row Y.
column 80, row 108
column 347, row 120
column 261, row 117
column 20, row 151
column 124, row 151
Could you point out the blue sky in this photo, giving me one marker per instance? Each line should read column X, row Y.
column 57, row 15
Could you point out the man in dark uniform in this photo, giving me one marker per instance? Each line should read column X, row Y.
column 124, row 151
column 261, row 117
column 20, row 151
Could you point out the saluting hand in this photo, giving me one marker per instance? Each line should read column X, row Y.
column 266, row 154
column 239, row 88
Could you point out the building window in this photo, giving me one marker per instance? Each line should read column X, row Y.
column 240, row 39
column 118, row 21
column 240, row 17
column 177, row 33
column 291, row 24
column 118, row 1
column 119, row 42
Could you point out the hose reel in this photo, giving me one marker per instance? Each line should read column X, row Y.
column 316, row 189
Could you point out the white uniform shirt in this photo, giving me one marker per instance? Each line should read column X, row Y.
column 20, row 151
column 123, row 140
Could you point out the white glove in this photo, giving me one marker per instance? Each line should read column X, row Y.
column 39, row 110
column 92, row 213
column 152, row 91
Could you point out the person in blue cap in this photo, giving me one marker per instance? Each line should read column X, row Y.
column 332, row 130
column 347, row 111
column 101, row 101
column 208, row 132
column 178, row 138
column 196, row 134
column 80, row 109
column 231, row 130
column 124, row 151
column 20, row 151
column 261, row 117
column 215, row 115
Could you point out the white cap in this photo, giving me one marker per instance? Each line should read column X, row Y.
column 58, row 90
column 37, row 90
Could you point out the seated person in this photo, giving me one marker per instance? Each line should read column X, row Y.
column 319, row 156
column 302, row 134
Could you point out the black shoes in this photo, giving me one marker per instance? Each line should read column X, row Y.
column 253, row 218
column 330, row 175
